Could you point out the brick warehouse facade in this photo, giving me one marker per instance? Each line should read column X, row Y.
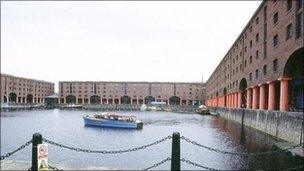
column 24, row 90
column 130, row 92
column 264, row 67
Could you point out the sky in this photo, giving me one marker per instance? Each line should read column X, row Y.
column 175, row 41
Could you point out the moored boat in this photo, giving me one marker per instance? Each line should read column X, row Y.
column 113, row 121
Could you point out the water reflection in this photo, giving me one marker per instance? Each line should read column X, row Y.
column 67, row 127
column 252, row 141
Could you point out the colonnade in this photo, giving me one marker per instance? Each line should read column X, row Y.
column 132, row 101
column 273, row 95
column 22, row 100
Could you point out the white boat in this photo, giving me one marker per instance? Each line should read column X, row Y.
column 113, row 121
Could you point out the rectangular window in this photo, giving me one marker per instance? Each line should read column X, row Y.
column 265, row 31
column 265, row 50
column 265, row 13
column 275, row 40
column 298, row 25
column 299, row 4
column 289, row 31
column 275, row 65
column 257, row 20
column 250, row 76
column 257, row 37
column 250, row 44
column 250, row 59
column 257, row 54
column 289, row 5
column 275, row 18
column 256, row 73
column 245, row 63
column 265, row 70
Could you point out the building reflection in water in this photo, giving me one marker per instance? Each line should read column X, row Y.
column 246, row 139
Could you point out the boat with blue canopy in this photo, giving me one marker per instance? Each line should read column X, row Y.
column 113, row 121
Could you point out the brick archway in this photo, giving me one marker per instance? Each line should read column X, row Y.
column 70, row 99
column 95, row 99
column 242, row 88
column 294, row 70
column 12, row 97
column 29, row 98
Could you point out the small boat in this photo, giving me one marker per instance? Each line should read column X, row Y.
column 113, row 121
column 72, row 106
column 202, row 110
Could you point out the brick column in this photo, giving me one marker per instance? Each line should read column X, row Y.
column 255, row 98
column 228, row 100
column 249, row 98
column 239, row 94
column 233, row 100
column 271, row 95
column 262, row 97
column 236, row 100
column 284, row 98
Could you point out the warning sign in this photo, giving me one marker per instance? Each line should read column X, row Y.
column 42, row 157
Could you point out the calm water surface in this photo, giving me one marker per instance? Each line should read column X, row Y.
column 67, row 127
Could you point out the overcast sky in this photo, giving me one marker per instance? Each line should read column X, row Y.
column 119, row 41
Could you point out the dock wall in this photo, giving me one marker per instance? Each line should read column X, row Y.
column 283, row 125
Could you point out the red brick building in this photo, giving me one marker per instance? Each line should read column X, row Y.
column 264, row 67
column 24, row 90
column 89, row 92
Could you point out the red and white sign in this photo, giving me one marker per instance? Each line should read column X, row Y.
column 42, row 157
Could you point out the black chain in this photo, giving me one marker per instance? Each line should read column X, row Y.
column 105, row 151
column 195, row 164
column 54, row 168
column 18, row 149
column 295, row 168
column 158, row 164
column 235, row 153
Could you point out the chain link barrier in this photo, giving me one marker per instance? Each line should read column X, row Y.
column 241, row 154
column 195, row 164
column 155, row 143
column 158, row 164
column 106, row 151
column 54, row 168
column 18, row 149
column 296, row 168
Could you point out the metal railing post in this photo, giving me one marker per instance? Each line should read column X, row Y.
column 37, row 139
column 175, row 156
